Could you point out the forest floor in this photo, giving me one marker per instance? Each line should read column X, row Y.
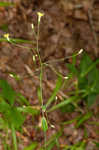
column 67, row 27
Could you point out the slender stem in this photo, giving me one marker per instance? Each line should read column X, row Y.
column 41, row 78
column 14, row 137
column 41, row 65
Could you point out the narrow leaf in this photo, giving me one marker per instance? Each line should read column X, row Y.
column 44, row 124
column 31, row 146
column 58, row 86
column 7, row 92
column 5, row 4
column 63, row 103
column 84, row 118
column 15, row 40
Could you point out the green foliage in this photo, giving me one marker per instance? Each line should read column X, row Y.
column 7, row 99
column 4, row 27
column 44, row 124
column 57, row 88
column 88, row 78
column 31, row 146
column 67, row 108
column 52, row 141
column 6, row 4
column 83, row 118
column 13, row 116
column 97, row 144
column 78, row 146
column 15, row 40
column 29, row 110
column 7, row 93
column 63, row 103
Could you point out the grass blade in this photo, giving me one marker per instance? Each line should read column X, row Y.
column 5, row 4
column 15, row 40
column 31, row 146
column 83, row 118
column 44, row 124
column 14, row 137
column 63, row 103
column 58, row 86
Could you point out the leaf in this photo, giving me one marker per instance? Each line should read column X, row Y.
column 11, row 115
column 67, row 108
column 93, row 80
column 15, row 117
column 44, row 124
column 63, row 103
column 7, row 92
column 84, row 64
column 22, row 99
column 97, row 144
column 31, row 146
column 51, row 145
column 4, row 27
column 72, row 69
column 83, row 118
column 87, row 65
column 15, row 40
column 39, row 95
column 91, row 99
column 82, row 83
column 4, row 107
column 5, row 4
column 29, row 109
column 57, row 88
column 52, row 140
column 2, row 123
column 14, row 137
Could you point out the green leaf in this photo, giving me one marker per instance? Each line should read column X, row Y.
column 91, row 99
column 87, row 65
column 11, row 114
column 57, row 88
column 4, row 27
column 54, row 137
column 72, row 69
column 67, row 108
column 15, row 117
column 7, row 92
column 3, row 124
column 82, row 83
column 93, row 80
column 31, row 146
column 44, row 124
column 4, row 107
column 29, row 109
column 15, row 40
column 39, row 95
column 22, row 99
column 84, row 64
column 14, row 137
column 83, row 118
column 5, row 4
column 97, row 144
column 52, row 141
column 63, row 103
column 51, row 145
